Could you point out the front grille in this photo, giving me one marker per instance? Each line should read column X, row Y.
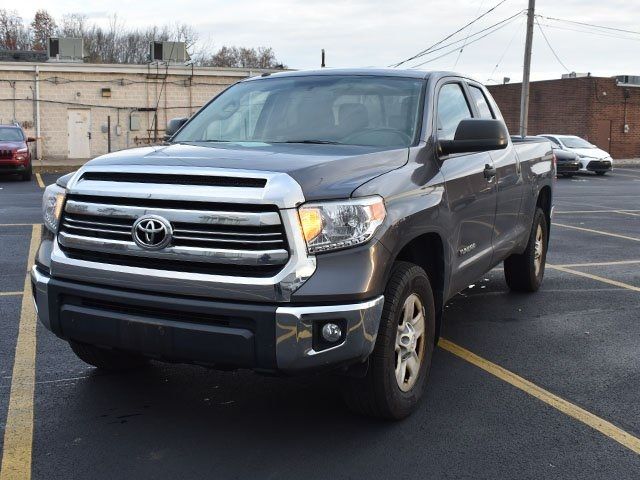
column 6, row 154
column 599, row 165
column 222, row 239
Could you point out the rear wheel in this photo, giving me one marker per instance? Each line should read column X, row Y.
column 524, row 272
column 110, row 360
column 401, row 359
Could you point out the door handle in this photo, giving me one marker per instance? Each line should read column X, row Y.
column 489, row 172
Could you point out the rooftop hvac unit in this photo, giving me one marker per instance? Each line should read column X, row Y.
column 628, row 80
column 65, row 49
column 168, row 52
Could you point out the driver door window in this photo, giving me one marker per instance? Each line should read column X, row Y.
column 452, row 108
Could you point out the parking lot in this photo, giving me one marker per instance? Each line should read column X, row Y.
column 534, row 386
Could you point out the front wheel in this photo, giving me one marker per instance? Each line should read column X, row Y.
column 401, row 359
column 26, row 175
column 524, row 272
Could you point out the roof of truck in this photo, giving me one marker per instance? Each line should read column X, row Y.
column 382, row 72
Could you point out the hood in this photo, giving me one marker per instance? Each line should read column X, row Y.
column 323, row 171
column 590, row 152
column 6, row 145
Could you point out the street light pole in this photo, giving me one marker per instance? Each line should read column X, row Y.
column 524, row 95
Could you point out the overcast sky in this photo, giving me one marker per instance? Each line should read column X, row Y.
column 382, row 32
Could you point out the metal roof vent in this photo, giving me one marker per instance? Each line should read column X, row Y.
column 628, row 80
column 172, row 52
column 65, row 49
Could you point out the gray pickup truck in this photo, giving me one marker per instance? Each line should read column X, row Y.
column 299, row 222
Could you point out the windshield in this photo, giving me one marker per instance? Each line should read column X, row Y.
column 9, row 134
column 575, row 142
column 346, row 110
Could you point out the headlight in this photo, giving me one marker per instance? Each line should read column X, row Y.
column 333, row 225
column 52, row 203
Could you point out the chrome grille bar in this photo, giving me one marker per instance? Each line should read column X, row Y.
column 249, row 219
column 210, row 255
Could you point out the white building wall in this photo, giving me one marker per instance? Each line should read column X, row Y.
column 177, row 91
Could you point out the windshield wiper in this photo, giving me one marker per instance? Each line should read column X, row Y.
column 316, row 142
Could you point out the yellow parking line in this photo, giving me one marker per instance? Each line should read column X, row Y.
column 8, row 294
column 598, row 264
column 609, row 234
column 606, row 428
column 19, row 224
column 595, row 277
column 18, row 434
column 39, row 179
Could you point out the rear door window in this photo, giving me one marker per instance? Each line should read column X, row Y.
column 481, row 102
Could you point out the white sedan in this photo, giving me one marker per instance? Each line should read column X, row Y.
column 592, row 158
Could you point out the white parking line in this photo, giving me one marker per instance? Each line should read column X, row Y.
column 608, row 234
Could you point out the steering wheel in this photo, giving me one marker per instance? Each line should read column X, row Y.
column 354, row 137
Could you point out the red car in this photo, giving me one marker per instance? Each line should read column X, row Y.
column 15, row 156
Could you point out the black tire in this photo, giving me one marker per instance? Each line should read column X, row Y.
column 26, row 175
column 600, row 173
column 110, row 360
column 520, row 270
column 378, row 394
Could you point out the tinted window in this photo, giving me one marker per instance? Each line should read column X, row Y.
column 481, row 102
column 351, row 110
column 452, row 107
column 9, row 134
column 575, row 142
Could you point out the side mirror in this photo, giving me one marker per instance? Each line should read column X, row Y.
column 476, row 135
column 173, row 126
column 30, row 139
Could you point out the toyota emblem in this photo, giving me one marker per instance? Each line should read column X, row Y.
column 151, row 232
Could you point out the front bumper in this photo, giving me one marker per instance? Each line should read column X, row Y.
column 568, row 167
column 264, row 337
column 596, row 165
column 13, row 166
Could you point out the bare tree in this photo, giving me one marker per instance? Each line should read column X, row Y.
column 73, row 25
column 240, row 57
column 118, row 44
column 43, row 26
column 13, row 34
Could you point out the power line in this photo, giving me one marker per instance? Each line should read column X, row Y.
column 504, row 53
column 466, row 39
column 423, row 52
column 550, row 47
column 499, row 27
column 446, row 45
column 591, row 32
column 590, row 25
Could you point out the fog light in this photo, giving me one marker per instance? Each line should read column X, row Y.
column 331, row 332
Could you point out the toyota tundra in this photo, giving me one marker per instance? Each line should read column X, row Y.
column 299, row 222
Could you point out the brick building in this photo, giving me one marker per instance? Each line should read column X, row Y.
column 74, row 103
column 595, row 108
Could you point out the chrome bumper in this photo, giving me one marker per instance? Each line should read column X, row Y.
column 294, row 334
column 40, row 292
column 294, row 328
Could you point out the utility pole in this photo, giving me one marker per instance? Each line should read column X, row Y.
column 322, row 59
column 524, row 95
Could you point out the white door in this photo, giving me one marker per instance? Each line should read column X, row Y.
column 79, row 132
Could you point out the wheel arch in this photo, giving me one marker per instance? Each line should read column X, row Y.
column 427, row 250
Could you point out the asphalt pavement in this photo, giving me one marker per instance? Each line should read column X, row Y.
column 577, row 339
